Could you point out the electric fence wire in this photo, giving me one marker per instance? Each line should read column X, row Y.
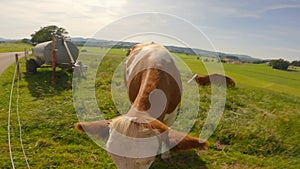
column 19, row 120
column 8, row 120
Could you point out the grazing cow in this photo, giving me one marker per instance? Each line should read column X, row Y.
column 154, row 89
column 205, row 80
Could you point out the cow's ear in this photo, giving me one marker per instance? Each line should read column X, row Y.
column 181, row 141
column 161, row 127
column 176, row 140
column 95, row 128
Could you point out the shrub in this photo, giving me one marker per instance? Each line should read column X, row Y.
column 280, row 64
column 295, row 63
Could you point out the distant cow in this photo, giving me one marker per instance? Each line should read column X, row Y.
column 154, row 89
column 205, row 80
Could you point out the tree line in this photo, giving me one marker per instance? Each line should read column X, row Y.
column 283, row 64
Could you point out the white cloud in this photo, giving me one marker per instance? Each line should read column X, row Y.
column 287, row 49
column 82, row 17
column 280, row 6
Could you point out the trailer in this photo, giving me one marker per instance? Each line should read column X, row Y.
column 66, row 54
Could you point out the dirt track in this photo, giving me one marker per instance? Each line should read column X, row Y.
column 7, row 59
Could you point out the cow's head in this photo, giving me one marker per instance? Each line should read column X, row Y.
column 133, row 141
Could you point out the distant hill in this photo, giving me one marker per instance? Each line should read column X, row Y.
column 188, row 51
column 2, row 40
column 247, row 58
column 101, row 43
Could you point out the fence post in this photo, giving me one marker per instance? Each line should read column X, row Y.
column 18, row 65
column 26, row 53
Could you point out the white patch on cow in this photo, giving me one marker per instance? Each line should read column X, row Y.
column 131, row 147
column 160, row 56
column 158, row 101
column 136, row 59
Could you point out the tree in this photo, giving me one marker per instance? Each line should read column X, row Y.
column 295, row 63
column 280, row 64
column 45, row 34
column 25, row 40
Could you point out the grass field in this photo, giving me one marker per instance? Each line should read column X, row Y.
column 14, row 47
column 259, row 127
column 254, row 75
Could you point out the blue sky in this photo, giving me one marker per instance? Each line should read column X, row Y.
column 260, row 28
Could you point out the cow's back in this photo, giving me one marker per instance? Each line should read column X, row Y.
column 152, row 76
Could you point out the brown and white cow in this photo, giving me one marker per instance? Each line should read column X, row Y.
column 154, row 89
column 217, row 79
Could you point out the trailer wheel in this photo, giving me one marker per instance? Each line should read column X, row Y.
column 31, row 66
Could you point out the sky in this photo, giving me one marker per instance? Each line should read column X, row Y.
column 267, row 29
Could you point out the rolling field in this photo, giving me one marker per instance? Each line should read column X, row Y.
column 259, row 127
column 14, row 47
column 254, row 75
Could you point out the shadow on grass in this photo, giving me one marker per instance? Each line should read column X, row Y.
column 292, row 70
column 181, row 160
column 40, row 84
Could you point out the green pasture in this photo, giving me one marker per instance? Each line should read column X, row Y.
column 259, row 127
column 14, row 47
column 251, row 75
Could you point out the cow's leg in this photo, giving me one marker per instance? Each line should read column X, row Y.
column 168, row 120
column 166, row 152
